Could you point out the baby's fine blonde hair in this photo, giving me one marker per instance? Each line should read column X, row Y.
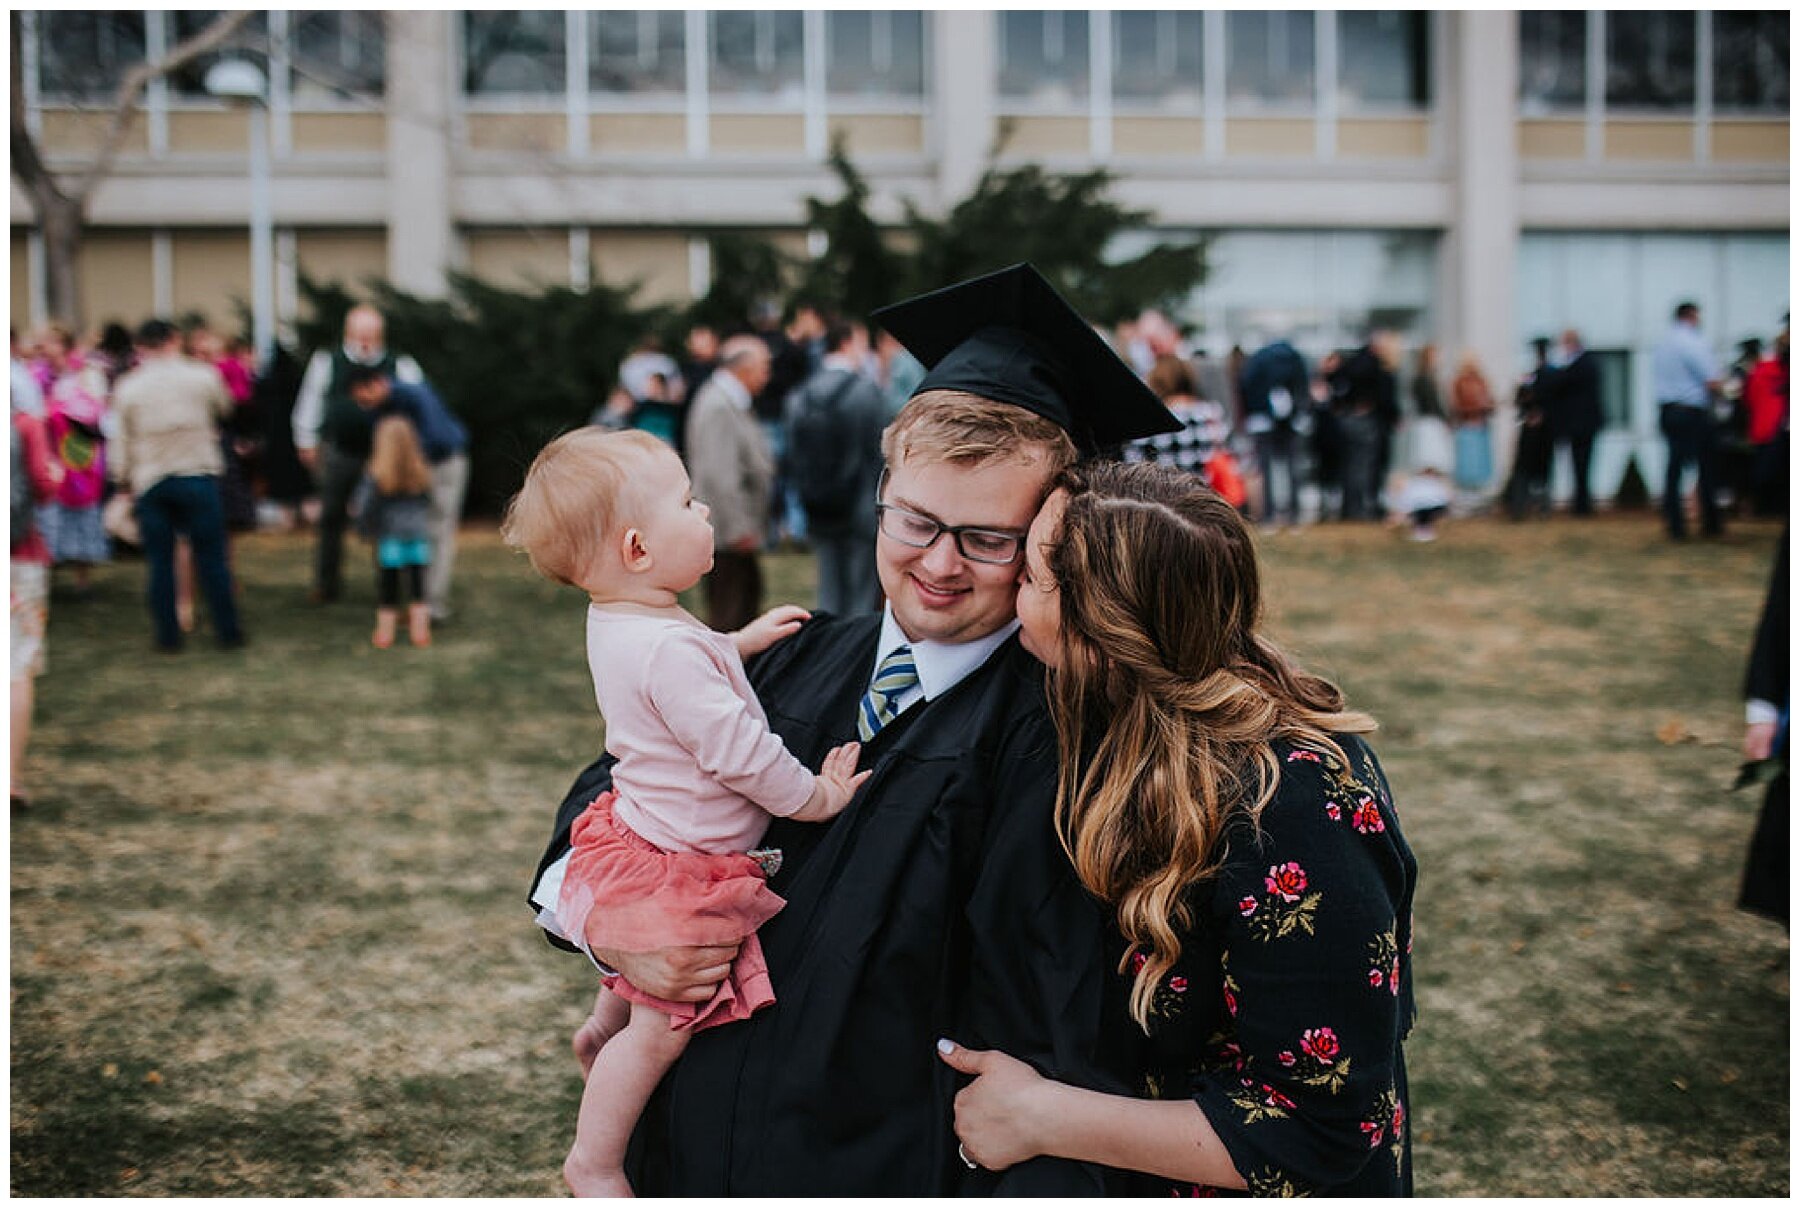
column 570, row 503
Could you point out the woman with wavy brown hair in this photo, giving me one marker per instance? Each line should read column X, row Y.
column 1220, row 800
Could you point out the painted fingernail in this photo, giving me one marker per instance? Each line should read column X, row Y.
column 946, row 1047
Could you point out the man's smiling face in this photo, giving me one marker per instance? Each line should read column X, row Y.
column 937, row 594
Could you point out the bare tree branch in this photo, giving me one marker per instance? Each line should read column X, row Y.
column 138, row 79
column 27, row 164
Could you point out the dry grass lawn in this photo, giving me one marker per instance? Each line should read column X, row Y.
column 269, row 938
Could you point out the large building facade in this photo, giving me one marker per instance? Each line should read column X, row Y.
column 1473, row 179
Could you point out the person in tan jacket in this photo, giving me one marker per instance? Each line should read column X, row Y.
column 733, row 471
column 167, row 457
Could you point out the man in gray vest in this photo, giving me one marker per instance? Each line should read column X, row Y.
column 332, row 433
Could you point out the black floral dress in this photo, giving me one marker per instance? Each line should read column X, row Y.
column 1285, row 1015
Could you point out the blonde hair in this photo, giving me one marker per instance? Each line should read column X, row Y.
column 569, row 504
column 966, row 429
column 1167, row 700
column 396, row 459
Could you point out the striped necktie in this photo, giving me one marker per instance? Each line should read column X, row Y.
column 879, row 706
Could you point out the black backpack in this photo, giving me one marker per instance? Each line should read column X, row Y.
column 821, row 453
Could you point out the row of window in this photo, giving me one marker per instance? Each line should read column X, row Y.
column 82, row 56
column 1651, row 59
column 1044, row 56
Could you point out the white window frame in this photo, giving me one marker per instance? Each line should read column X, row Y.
column 696, row 103
column 1387, row 109
column 1127, row 107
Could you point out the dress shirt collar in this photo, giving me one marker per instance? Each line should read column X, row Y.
column 734, row 390
column 942, row 665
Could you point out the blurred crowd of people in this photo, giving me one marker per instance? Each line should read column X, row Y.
column 779, row 420
column 789, row 407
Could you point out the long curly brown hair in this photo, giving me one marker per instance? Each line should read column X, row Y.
column 1168, row 700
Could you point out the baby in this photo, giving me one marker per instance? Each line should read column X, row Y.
column 663, row 858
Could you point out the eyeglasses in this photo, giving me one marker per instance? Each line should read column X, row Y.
column 997, row 547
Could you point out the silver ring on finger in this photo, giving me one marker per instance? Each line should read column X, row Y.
column 966, row 1159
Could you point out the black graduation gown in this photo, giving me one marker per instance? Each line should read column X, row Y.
column 939, row 904
column 1765, row 884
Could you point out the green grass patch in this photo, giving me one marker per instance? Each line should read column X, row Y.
column 268, row 922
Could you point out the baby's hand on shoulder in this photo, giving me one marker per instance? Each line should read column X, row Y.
column 771, row 627
column 835, row 784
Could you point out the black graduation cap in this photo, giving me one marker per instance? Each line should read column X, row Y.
column 1010, row 337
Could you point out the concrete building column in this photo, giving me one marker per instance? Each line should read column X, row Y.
column 962, row 97
column 1481, row 248
column 420, row 233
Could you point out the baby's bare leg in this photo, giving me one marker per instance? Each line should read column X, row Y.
column 609, row 1016
column 624, row 1074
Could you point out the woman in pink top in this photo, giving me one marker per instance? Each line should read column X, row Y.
column 662, row 859
column 75, row 415
column 35, row 477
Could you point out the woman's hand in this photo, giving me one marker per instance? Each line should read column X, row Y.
column 999, row 1115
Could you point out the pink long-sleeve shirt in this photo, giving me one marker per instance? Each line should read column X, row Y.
column 699, row 769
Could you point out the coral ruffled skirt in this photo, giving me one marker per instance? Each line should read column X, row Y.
column 642, row 898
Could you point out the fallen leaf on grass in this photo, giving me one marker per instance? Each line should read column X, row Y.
column 1679, row 1084
column 1517, row 947
column 128, row 1174
column 154, row 1078
column 1673, row 731
column 1728, row 1077
column 109, row 1070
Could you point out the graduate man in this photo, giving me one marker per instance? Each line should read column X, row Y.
column 939, row 904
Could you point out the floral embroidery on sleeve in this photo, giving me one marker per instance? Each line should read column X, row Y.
column 1386, row 1123
column 1317, row 1063
column 1284, row 907
column 1259, row 1101
column 1271, row 1182
column 1384, row 962
column 1351, row 798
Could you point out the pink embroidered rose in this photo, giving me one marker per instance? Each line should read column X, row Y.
column 1321, row 1043
column 1246, row 906
column 1373, row 1132
column 1275, row 1098
column 1333, row 811
column 1286, row 881
column 1230, row 1001
column 1309, row 756
column 1367, row 817
column 1137, row 961
column 1178, row 984
column 1286, row 1057
column 1376, row 977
